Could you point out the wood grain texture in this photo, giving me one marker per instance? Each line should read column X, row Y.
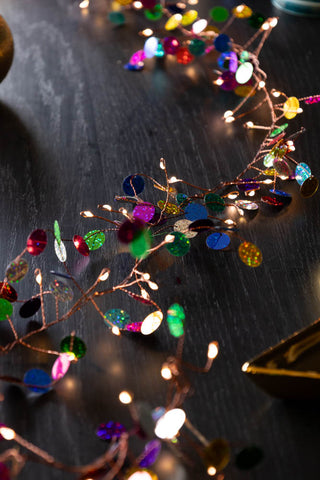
column 74, row 123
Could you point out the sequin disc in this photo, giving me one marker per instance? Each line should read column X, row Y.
column 107, row 431
column 4, row 471
column 214, row 202
column 61, row 290
column 250, row 254
column 133, row 185
column 61, row 366
column 73, row 344
column 8, row 292
column 202, row 225
column 169, row 208
column 183, row 227
column 281, row 167
column 81, row 245
column 57, row 233
column 228, row 61
column 222, row 43
column 218, row 241
column 37, row 380
column 150, row 453
column 60, row 250
column 36, row 242
column 302, row 172
column 219, row 14
column 128, row 230
column 17, row 270
column 30, row 307
column 249, row 457
column 309, row 187
column 175, row 319
column 94, row 239
column 246, row 204
column 290, row 107
column 247, row 184
column 217, row 454
column 141, row 244
column 144, row 211
column 118, row 317
column 229, row 81
column 189, row 17
column 5, row 309
column 180, row 246
column 195, row 211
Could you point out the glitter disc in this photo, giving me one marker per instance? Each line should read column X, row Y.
column 5, row 309
column 246, row 204
column 309, row 187
column 8, row 293
column 271, row 201
column 118, row 317
column 94, row 239
column 170, row 208
column 268, row 160
column 219, row 14
column 38, row 380
column 189, row 17
column 73, row 344
column 281, row 167
column 144, row 211
column 228, row 61
column 195, row 211
column 57, row 233
column 249, row 457
column 141, row 244
column 175, row 319
column 60, row 250
column 201, row 225
column 17, row 270
column 242, row 11
column 81, row 245
column 61, row 290
column 61, row 366
column 36, row 242
column 218, row 241
column 214, row 202
column 290, row 107
column 180, row 246
column 247, row 184
column 183, row 227
column 150, row 453
column 229, row 81
column 250, row 254
column 30, row 307
column 217, row 454
column 107, row 431
column 128, row 230
column 281, row 195
column 302, row 172
column 133, row 185
column 222, row 43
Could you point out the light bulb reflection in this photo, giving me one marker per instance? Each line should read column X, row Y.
column 168, row 426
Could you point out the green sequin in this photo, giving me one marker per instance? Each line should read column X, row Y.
column 159, row 52
column 256, row 20
column 141, row 244
column 214, row 202
column 219, row 14
column 73, row 345
column 197, row 47
column 94, row 239
column 5, row 309
column 154, row 13
column 117, row 317
column 244, row 56
column 278, row 130
column 117, row 18
column 180, row 246
column 175, row 320
column 57, row 232
column 182, row 198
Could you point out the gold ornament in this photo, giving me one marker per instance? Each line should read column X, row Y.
column 6, row 48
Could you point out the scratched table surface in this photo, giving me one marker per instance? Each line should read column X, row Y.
column 74, row 123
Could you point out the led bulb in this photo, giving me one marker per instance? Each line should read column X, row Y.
column 125, row 397
column 104, row 275
column 162, row 164
column 273, row 22
column 107, row 207
column 151, row 323
column 229, row 119
column 84, row 4
column 166, row 373
column 86, row 214
column 137, row 5
column 169, row 238
column 39, row 278
column 7, row 433
column 213, row 350
column 262, row 84
column 115, row 330
column 245, row 366
column 147, row 32
column 218, row 82
column 228, row 113
column 199, row 26
column 153, row 285
column 168, row 426
column 249, row 124
column 211, row 471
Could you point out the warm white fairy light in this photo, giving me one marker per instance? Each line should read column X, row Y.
column 275, row 93
column 7, row 433
column 218, row 82
column 144, row 294
column 147, row 32
column 213, row 350
column 169, row 238
column 229, row 221
column 125, row 397
column 162, row 164
column 262, row 84
column 273, row 22
column 268, row 181
column 39, row 278
column 249, row 124
column 211, row 471
column 153, row 285
column 104, row 275
column 299, row 110
column 107, row 207
column 265, row 26
column 116, row 331
column 168, row 426
column 86, row 214
column 173, row 180
column 146, row 276
column 137, row 5
column 251, row 193
column 228, row 113
column 229, row 119
column 245, row 366
column 151, row 323
column 84, row 4
column 166, row 373
column 233, row 195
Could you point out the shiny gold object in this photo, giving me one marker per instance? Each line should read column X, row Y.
column 6, row 48
column 217, row 454
column 309, row 187
column 290, row 369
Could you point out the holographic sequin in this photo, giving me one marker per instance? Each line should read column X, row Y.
column 118, row 317
column 17, row 270
column 37, row 380
column 171, row 208
column 250, row 254
column 60, row 250
column 94, row 239
column 73, row 344
column 107, row 431
column 61, row 290
column 180, row 246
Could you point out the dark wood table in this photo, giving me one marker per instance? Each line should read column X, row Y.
column 74, row 123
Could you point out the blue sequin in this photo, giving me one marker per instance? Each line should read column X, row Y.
column 302, row 172
column 133, row 185
column 195, row 211
column 39, row 379
column 218, row 241
column 222, row 43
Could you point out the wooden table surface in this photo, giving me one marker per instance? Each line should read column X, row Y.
column 74, row 123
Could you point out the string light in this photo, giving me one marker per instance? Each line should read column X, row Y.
column 168, row 426
column 125, row 397
column 84, row 4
